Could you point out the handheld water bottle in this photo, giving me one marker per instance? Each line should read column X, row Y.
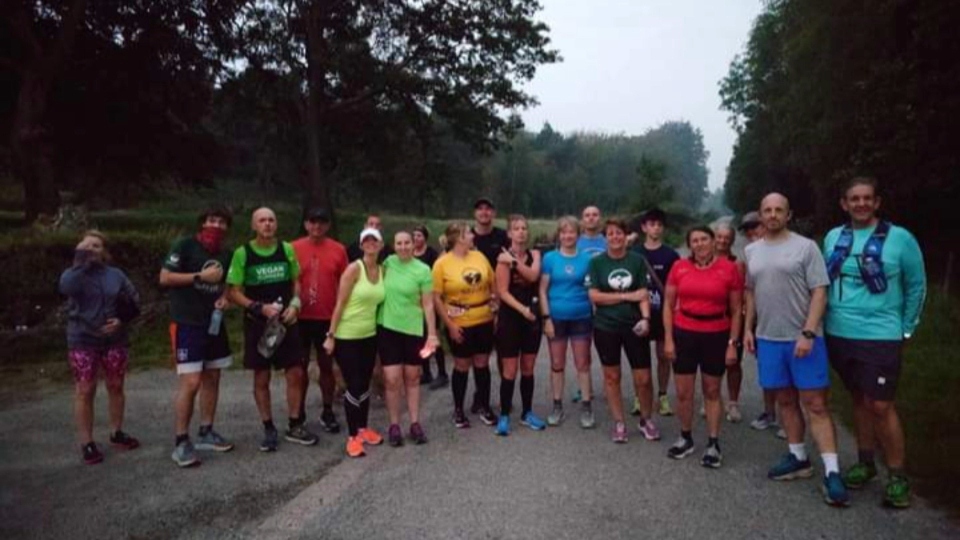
column 216, row 320
column 273, row 334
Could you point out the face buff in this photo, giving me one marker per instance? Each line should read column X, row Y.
column 211, row 238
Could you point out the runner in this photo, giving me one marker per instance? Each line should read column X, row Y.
column 518, row 324
column 660, row 259
column 428, row 255
column 263, row 280
column 878, row 286
column 322, row 261
column 487, row 238
column 591, row 240
column 195, row 273
column 352, row 338
column 463, row 292
column 618, row 290
column 407, row 309
column 701, row 317
column 726, row 235
column 101, row 301
column 355, row 251
column 752, row 227
column 568, row 318
column 786, row 293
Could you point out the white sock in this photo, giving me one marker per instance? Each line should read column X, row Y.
column 799, row 451
column 831, row 463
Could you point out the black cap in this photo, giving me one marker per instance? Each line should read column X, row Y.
column 318, row 214
column 484, row 200
column 654, row 214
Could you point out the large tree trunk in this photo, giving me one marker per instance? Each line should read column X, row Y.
column 317, row 187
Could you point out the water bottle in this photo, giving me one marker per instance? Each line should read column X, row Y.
column 273, row 334
column 216, row 319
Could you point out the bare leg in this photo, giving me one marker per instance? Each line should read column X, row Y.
column 261, row 393
column 889, row 432
column 611, row 388
column 581, row 359
column 296, row 380
column 411, row 375
column 663, row 369
column 83, row 410
column 790, row 415
column 209, row 396
column 393, row 380
column 734, row 381
column 116, row 402
column 558, row 361
column 684, row 384
column 643, row 386
column 712, row 403
column 821, row 424
column 189, row 386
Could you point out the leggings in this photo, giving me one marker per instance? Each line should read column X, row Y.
column 356, row 358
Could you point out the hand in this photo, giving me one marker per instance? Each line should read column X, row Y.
column 211, row 274
column 548, row 329
column 731, row 358
column 429, row 347
column 113, row 324
column 749, row 342
column 328, row 346
column 670, row 349
column 455, row 332
column 290, row 315
column 803, row 347
column 529, row 314
column 221, row 303
column 269, row 311
column 642, row 328
column 505, row 257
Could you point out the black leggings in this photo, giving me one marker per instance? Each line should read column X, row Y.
column 356, row 358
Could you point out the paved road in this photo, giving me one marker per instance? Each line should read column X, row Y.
column 562, row 483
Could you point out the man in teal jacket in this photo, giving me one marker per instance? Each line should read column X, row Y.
column 877, row 289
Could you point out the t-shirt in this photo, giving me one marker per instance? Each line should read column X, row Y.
column 193, row 304
column 238, row 275
column 592, row 245
column 491, row 244
column 566, row 292
column 465, row 284
column 625, row 274
column 662, row 260
column 704, row 293
column 405, row 284
column 782, row 276
column 428, row 257
column 321, row 265
column 853, row 312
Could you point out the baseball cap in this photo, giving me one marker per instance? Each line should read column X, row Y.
column 749, row 221
column 318, row 214
column 370, row 232
column 484, row 200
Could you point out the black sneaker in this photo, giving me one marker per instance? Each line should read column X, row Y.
column 712, row 458
column 680, row 449
column 460, row 420
column 122, row 440
column 91, row 454
column 269, row 442
column 440, row 381
column 300, row 435
column 328, row 422
column 426, row 377
column 476, row 408
column 487, row 417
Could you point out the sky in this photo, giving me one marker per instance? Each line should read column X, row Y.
column 630, row 65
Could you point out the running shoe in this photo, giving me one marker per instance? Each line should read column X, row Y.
column 680, row 449
column 790, row 468
column 122, row 440
column 781, row 434
column 328, row 422
column 91, row 454
column 475, row 407
column 395, row 435
column 503, row 426
column 762, row 422
column 355, row 447
column 734, row 416
column 211, row 440
column 556, row 416
column 665, row 409
column 426, row 377
column 858, row 475
column 577, row 396
column 636, row 407
column 619, row 434
column 460, row 420
column 487, row 417
column 369, row 436
column 587, row 420
column 300, row 435
column 417, row 434
column 269, row 442
column 439, row 381
column 712, row 458
column 897, row 492
column 834, row 492
column 184, row 455
column 533, row 421
column 649, row 430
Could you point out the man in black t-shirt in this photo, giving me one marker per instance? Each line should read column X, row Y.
column 661, row 259
column 354, row 252
column 488, row 239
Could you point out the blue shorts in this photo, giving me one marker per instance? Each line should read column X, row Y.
column 573, row 329
column 195, row 350
column 779, row 368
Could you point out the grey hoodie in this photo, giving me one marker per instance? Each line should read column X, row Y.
column 92, row 290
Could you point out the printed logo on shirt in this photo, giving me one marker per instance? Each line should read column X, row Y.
column 183, row 355
column 174, row 259
column 620, row 279
column 472, row 277
column 569, row 269
column 210, row 288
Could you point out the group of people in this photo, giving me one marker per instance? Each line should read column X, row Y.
column 490, row 290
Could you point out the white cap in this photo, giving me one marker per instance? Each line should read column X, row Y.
column 370, row 232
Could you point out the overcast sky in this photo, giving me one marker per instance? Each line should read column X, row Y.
column 630, row 65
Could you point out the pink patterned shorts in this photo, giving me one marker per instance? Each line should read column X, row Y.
column 85, row 363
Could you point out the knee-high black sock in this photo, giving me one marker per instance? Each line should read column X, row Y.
column 481, row 377
column 459, row 385
column 506, row 395
column 526, row 392
column 441, row 361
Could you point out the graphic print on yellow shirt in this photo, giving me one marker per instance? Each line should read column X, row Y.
column 465, row 283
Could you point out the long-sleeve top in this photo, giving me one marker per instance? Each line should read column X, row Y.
column 92, row 291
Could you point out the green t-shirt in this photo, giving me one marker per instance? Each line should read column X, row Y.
column 239, row 275
column 405, row 284
column 607, row 275
column 193, row 304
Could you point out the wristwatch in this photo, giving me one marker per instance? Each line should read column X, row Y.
column 809, row 334
column 733, row 342
column 513, row 264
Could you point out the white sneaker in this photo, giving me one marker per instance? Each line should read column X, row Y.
column 733, row 412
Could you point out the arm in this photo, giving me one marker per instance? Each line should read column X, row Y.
column 914, row 286
column 503, row 289
column 347, row 281
column 532, row 272
column 736, row 315
column 548, row 329
column 669, row 300
column 750, row 315
column 432, row 342
column 818, row 304
column 611, row 298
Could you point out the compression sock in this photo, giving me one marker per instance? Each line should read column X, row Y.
column 506, row 395
column 459, row 385
column 526, row 392
column 482, row 377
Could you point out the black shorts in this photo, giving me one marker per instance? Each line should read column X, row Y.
column 289, row 354
column 397, row 348
column 706, row 351
column 476, row 340
column 573, row 329
column 196, row 350
column 609, row 345
column 313, row 332
column 517, row 335
column 871, row 367
column 656, row 325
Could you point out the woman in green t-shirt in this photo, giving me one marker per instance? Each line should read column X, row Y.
column 400, row 333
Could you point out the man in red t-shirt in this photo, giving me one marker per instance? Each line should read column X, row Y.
column 322, row 262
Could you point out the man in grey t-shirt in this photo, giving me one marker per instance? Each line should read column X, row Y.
column 786, row 294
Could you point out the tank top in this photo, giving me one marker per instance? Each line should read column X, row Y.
column 268, row 277
column 524, row 291
column 359, row 319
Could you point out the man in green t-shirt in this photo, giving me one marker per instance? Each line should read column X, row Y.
column 263, row 281
column 194, row 271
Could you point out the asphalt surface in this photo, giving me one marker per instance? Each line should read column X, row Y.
column 562, row 483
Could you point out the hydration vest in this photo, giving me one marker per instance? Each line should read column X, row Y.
column 871, row 264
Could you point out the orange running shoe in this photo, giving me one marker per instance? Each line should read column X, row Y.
column 369, row 436
column 355, row 447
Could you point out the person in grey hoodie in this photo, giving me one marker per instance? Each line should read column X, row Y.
column 101, row 301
